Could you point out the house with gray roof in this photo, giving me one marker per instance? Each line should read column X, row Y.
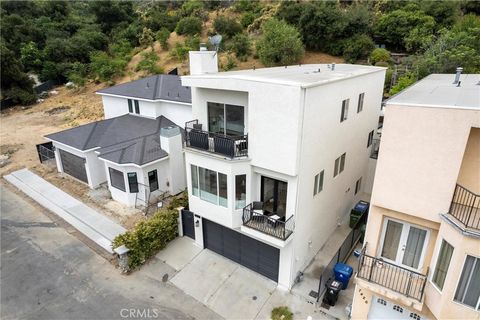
column 137, row 150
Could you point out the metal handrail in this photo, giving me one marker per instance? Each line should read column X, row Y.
column 263, row 223
column 465, row 207
column 396, row 278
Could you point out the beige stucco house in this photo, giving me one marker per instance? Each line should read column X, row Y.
column 421, row 258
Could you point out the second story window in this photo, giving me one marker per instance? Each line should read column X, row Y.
column 209, row 185
column 468, row 292
column 339, row 165
column 344, row 114
column 318, row 185
column 226, row 119
column 370, row 138
column 133, row 104
column 361, row 96
column 443, row 261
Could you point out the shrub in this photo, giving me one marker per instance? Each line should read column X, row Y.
column 280, row 44
column 148, row 237
column 23, row 96
column 227, row 27
column 247, row 19
column 229, row 64
column 242, row 46
column 192, row 7
column 189, row 26
column 281, row 313
column 149, row 63
column 162, row 37
column 378, row 55
column 357, row 47
column 121, row 49
column 179, row 201
column 180, row 51
column 146, row 37
column 403, row 82
column 105, row 67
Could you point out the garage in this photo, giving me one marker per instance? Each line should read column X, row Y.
column 384, row 309
column 244, row 250
column 73, row 165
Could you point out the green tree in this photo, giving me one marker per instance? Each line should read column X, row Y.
column 189, row 26
column 104, row 67
column 108, row 14
column 149, row 63
column 357, row 47
column 192, row 7
column 242, row 46
column 227, row 27
column 280, row 44
column 403, row 82
column 162, row 37
column 146, row 38
column 31, row 57
column 380, row 54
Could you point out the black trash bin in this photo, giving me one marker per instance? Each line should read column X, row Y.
column 331, row 295
column 357, row 213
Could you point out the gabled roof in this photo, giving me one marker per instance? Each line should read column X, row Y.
column 124, row 139
column 157, row 87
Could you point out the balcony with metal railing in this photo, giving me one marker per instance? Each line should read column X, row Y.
column 465, row 208
column 268, row 223
column 409, row 283
column 221, row 144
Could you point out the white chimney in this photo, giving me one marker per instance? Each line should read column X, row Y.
column 203, row 61
column 171, row 142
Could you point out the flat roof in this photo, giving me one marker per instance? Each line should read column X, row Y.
column 438, row 90
column 305, row 75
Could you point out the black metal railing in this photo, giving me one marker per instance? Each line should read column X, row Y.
column 263, row 223
column 230, row 146
column 375, row 149
column 393, row 277
column 465, row 207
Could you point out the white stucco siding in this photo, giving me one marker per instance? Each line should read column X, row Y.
column 114, row 106
column 425, row 146
column 324, row 139
column 179, row 113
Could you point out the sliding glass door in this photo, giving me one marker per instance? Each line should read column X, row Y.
column 274, row 195
column 403, row 243
column 226, row 119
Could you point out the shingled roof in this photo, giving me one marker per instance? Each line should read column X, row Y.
column 124, row 139
column 157, row 87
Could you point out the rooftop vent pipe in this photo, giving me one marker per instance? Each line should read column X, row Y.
column 457, row 75
column 333, row 66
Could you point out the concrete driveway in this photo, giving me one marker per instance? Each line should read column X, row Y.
column 229, row 289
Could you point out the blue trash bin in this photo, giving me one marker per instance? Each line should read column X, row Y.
column 343, row 273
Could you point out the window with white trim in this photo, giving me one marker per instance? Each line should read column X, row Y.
column 318, row 184
column 132, row 104
column 209, row 185
column 116, row 179
column 361, row 96
column 443, row 262
column 339, row 165
column 344, row 113
column 468, row 288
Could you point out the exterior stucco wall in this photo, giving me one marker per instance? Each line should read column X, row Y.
column 469, row 175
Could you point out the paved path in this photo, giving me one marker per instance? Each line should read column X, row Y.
column 49, row 274
column 92, row 224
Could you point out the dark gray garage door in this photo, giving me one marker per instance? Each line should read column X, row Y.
column 244, row 250
column 74, row 165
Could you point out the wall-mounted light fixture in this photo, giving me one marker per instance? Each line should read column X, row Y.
column 197, row 223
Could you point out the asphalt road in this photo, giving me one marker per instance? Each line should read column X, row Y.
column 47, row 273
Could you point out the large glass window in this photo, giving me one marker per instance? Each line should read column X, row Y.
column 443, row 261
column 153, row 180
column 468, row 289
column 226, row 119
column 132, row 182
column 240, row 191
column 116, row 179
column 209, row 185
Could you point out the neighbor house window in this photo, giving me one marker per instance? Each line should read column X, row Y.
column 361, row 96
column 153, row 180
column 318, row 184
column 130, row 106
column 443, row 261
column 358, row 185
column 240, row 191
column 344, row 114
column 339, row 165
column 137, row 106
column 370, row 138
column 468, row 289
column 226, row 119
column 132, row 182
column 116, row 179
column 211, row 185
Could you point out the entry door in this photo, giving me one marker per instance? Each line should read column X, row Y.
column 274, row 195
column 404, row 243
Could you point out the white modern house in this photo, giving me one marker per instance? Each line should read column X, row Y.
column 276, row 158
column 138, row 148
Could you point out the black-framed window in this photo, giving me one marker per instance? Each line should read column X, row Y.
column 468, row 289
column 226, row 119
column 210, row 185
column 370, row 138
column 339, row 165
column 358, row 185
column 344, row 113
column 132, row 182
column 361, row 96
column 153, row 180
column 318, row 185
column 130, row 106
column 240, row 191
column 116, row 179
column 137, row 106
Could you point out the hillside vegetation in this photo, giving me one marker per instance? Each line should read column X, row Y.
column 109, row 42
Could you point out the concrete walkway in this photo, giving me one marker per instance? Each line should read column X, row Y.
column 92, row 224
